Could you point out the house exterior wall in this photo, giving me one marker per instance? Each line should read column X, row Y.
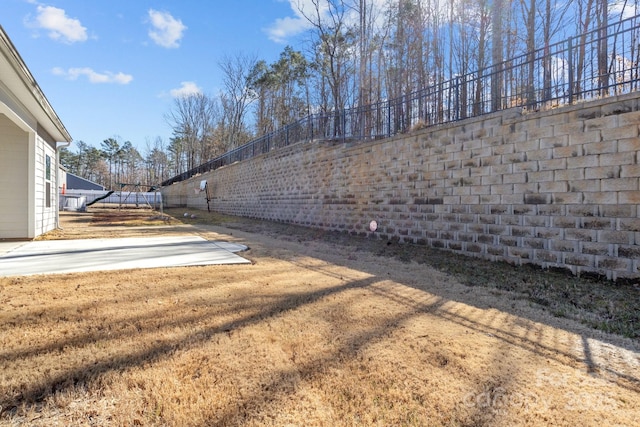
column 29, row 129
column 46, row 186
column 28, row 193
column 14, row 180
column 560, row 188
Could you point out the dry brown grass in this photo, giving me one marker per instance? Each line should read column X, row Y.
column 313, row 332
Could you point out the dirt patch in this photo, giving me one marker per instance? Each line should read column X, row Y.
column 111, row 222
column 321, row 329
column 130, row 218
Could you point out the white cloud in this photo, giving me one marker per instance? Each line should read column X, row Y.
column 167, row 30
column 59, row 25
column 93, row 76
column 283, row 28
column 187, row 89
column 623, row 9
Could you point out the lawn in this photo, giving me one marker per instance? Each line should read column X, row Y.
column 320, row 329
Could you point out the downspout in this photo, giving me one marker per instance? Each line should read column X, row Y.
column 58, row 148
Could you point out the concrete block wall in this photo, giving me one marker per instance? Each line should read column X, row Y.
column 559, row 189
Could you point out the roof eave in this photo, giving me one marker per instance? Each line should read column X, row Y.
column 31, row 94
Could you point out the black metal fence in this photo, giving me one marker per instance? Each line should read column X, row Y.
column 597, row 64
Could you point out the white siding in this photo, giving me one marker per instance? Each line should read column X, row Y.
column 28, row 130
column 45, row 215
column 14, row 180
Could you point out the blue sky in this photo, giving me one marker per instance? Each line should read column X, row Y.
column 110, row 68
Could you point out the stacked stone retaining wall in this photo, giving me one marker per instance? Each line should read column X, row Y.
column 559, row 188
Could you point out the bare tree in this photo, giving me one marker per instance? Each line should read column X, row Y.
column 408, row 52
column 333, row 50
column 156, row 162
column 193, row 119
column 236, row 97
column 602, row 17
column 497, row 53
column 484, row 20
column 584, row 16
column 467, row 36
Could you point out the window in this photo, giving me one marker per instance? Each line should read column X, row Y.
column 47, row 175
column 48, row 195
column 48, row 168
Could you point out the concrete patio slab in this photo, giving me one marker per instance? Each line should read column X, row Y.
column 10, row 245
column 72, row 256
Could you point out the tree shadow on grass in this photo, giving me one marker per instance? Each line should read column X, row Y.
column 422, row 299
column 30, row 393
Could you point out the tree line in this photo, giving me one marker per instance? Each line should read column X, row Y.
column 117, row 163
column 356, row 53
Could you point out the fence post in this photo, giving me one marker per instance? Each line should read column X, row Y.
column 344, row 124
column 389, row 118
column 570, row 60
column 457, row 98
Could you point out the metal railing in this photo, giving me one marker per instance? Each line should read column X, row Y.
column 597, row 64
